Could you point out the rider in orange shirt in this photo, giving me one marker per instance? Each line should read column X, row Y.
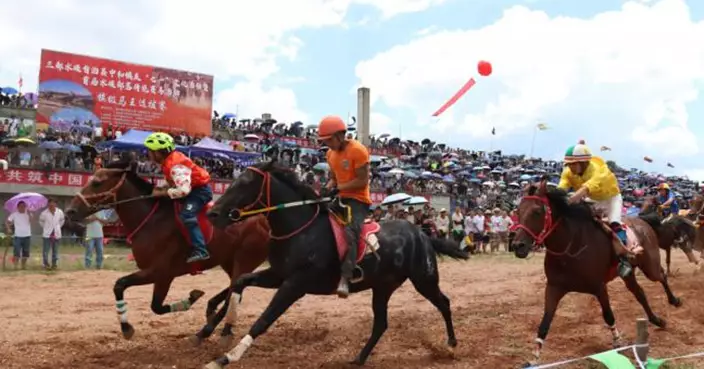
column 349, row 171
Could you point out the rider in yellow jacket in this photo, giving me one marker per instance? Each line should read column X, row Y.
column 589, row 176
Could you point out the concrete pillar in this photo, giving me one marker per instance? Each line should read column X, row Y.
column 363, row 111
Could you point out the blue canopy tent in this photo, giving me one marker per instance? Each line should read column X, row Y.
column 208, row 146
column 132, row 139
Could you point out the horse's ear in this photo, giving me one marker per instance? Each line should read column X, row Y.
column 542, row 187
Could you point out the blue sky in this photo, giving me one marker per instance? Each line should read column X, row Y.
column 624, row 74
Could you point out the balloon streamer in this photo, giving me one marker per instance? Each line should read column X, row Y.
column 484, row 68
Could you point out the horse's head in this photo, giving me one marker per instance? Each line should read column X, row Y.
column 102, row 189
column 649, row 203
column 258, row 190
column 534, row 219
column 244, row 193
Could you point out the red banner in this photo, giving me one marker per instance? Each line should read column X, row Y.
column 78, row 91
column 78, row 180
column 73, row 179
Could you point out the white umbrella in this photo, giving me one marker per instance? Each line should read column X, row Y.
column 251, row 137
column 514, row 184
column 395, row 198
column 397, row 171
column 416, row 200
column 488, row 184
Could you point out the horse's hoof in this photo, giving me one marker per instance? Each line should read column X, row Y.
column 128, row 332
column 677, row 302
column 452, row 342
column 195, row 295
column 527, row 365
column 195, row 340
column 658, row 322
column 357, row 362
column 213, row 365
column 226, row 341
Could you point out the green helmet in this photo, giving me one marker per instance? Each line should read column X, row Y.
column 578, row 153
column 160, row 141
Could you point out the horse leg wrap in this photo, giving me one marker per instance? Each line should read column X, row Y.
column 240, row 349
column 182, row 305
column 539, row 343
column 122, row 310
column 615, row 334
column 232, row 309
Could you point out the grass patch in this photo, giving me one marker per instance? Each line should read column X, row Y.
column 71, row 258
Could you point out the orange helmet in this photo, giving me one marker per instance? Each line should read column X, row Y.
column 664, row 186
column 329, row 126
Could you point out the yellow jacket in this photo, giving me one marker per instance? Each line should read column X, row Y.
column 598, row 178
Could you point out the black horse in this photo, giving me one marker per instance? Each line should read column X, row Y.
column 304, row 260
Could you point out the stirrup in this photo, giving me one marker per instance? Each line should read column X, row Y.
column 199, row 257
column 361, row 275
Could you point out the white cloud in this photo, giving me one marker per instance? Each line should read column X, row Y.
column 391, row 8
column 625, row 74
column 249, row 99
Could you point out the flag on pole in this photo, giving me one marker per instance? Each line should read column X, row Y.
column 605, row 148
column 670, row 165
column 493, row 131
column 541, row 126
column 19, row 83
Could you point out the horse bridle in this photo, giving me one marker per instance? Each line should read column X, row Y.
column 110, row 193
column 548, row 225
column 266, row 208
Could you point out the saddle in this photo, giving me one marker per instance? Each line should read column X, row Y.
column 368, row 243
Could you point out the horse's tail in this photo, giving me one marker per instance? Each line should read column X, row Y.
column 448, row 248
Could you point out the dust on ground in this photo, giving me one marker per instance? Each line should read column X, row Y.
column 68, row 320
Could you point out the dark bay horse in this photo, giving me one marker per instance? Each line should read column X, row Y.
column 579, row 255
column 160, row 248
column 304, row 259
column 674, row 231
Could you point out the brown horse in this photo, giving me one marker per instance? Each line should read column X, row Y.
column 696, row 215
column 674, row 231
column 160, row 245
column 580, row 257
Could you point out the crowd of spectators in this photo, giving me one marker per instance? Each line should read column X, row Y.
column 475, row 180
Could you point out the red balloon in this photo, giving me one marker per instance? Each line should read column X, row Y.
column 484, row 68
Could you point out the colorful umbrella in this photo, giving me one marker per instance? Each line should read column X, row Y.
column 34, row 201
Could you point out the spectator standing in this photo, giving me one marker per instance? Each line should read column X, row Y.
column 478, row 237
column 51, row 220
column 442, row 223
column 94, row 236
column 457, row 224
column 504, row 227
column 18, row 221
column 495, row 222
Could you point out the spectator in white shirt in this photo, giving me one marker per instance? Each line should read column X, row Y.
column 495, row 221
column 506, row 224
column 478, row 237
column 442, row 223
column 457, row 224
column 18, row 222
column 94, row 235
column 51, row 220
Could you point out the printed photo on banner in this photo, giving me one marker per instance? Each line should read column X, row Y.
column 78, row 92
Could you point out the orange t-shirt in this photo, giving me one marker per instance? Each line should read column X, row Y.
column 343, row 165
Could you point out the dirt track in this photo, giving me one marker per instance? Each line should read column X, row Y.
column 68, row 320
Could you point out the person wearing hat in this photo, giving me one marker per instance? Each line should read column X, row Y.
column 442, row 223
column 668, row 201
column 348, row 161
column 589, row 176
column 188, row 182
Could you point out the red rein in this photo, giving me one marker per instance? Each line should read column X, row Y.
column 548, row 226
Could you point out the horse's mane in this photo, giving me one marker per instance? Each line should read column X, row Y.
column 289, row 178
column 142, row 185
column 558, row 202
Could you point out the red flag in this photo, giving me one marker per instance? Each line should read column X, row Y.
column 19, row 82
